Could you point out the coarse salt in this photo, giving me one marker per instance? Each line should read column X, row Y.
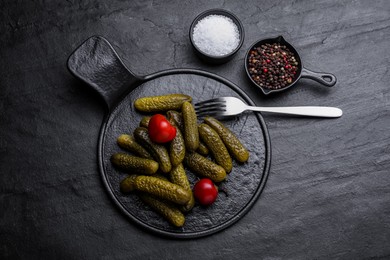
column 216, row 35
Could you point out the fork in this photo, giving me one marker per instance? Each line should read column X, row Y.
column 230, row 106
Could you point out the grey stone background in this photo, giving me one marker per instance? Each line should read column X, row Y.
column 328, row 193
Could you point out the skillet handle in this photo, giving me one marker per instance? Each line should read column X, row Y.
column 96, row 63
column 326, row 79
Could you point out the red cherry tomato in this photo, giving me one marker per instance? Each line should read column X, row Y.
column 160, row 130
column 205, row 192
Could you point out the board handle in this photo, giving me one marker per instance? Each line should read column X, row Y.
column 96, row 63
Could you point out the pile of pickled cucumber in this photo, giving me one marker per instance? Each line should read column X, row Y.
column 157, row 171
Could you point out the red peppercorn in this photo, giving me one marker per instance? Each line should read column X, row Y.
column 265, row 70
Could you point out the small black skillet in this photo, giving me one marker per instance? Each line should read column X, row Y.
column 326, row 79
column 97, row 64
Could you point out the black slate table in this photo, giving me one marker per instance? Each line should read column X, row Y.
column 328, row 191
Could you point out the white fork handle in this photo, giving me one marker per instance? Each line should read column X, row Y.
column 316, row 111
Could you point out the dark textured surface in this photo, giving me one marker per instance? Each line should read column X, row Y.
column 328, row 193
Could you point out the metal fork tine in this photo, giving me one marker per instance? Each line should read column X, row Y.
column 209, row 113
column 211, row 106
column 208, row 104
column 215, row 100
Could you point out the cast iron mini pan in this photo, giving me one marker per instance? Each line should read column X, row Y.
column 326, row 79
column 97, row 64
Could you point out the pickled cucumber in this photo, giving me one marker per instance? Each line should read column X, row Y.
column 167, row 210
column 191, row 134
column 162, row 189
column 176, row 118
column 202, row 149
column 217, row 148
column 145, row 121
column 160, row 176
column 127, row 142
column 203, row 167
column 177, row 149
column 179, row 176
column 158, row 151
column 133, row 163
column 232, row 143
column 127, row 184
column 161, row 103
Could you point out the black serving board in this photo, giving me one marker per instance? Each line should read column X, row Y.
column 96, row 63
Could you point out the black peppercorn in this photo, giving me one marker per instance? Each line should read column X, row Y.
column 272, row 65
